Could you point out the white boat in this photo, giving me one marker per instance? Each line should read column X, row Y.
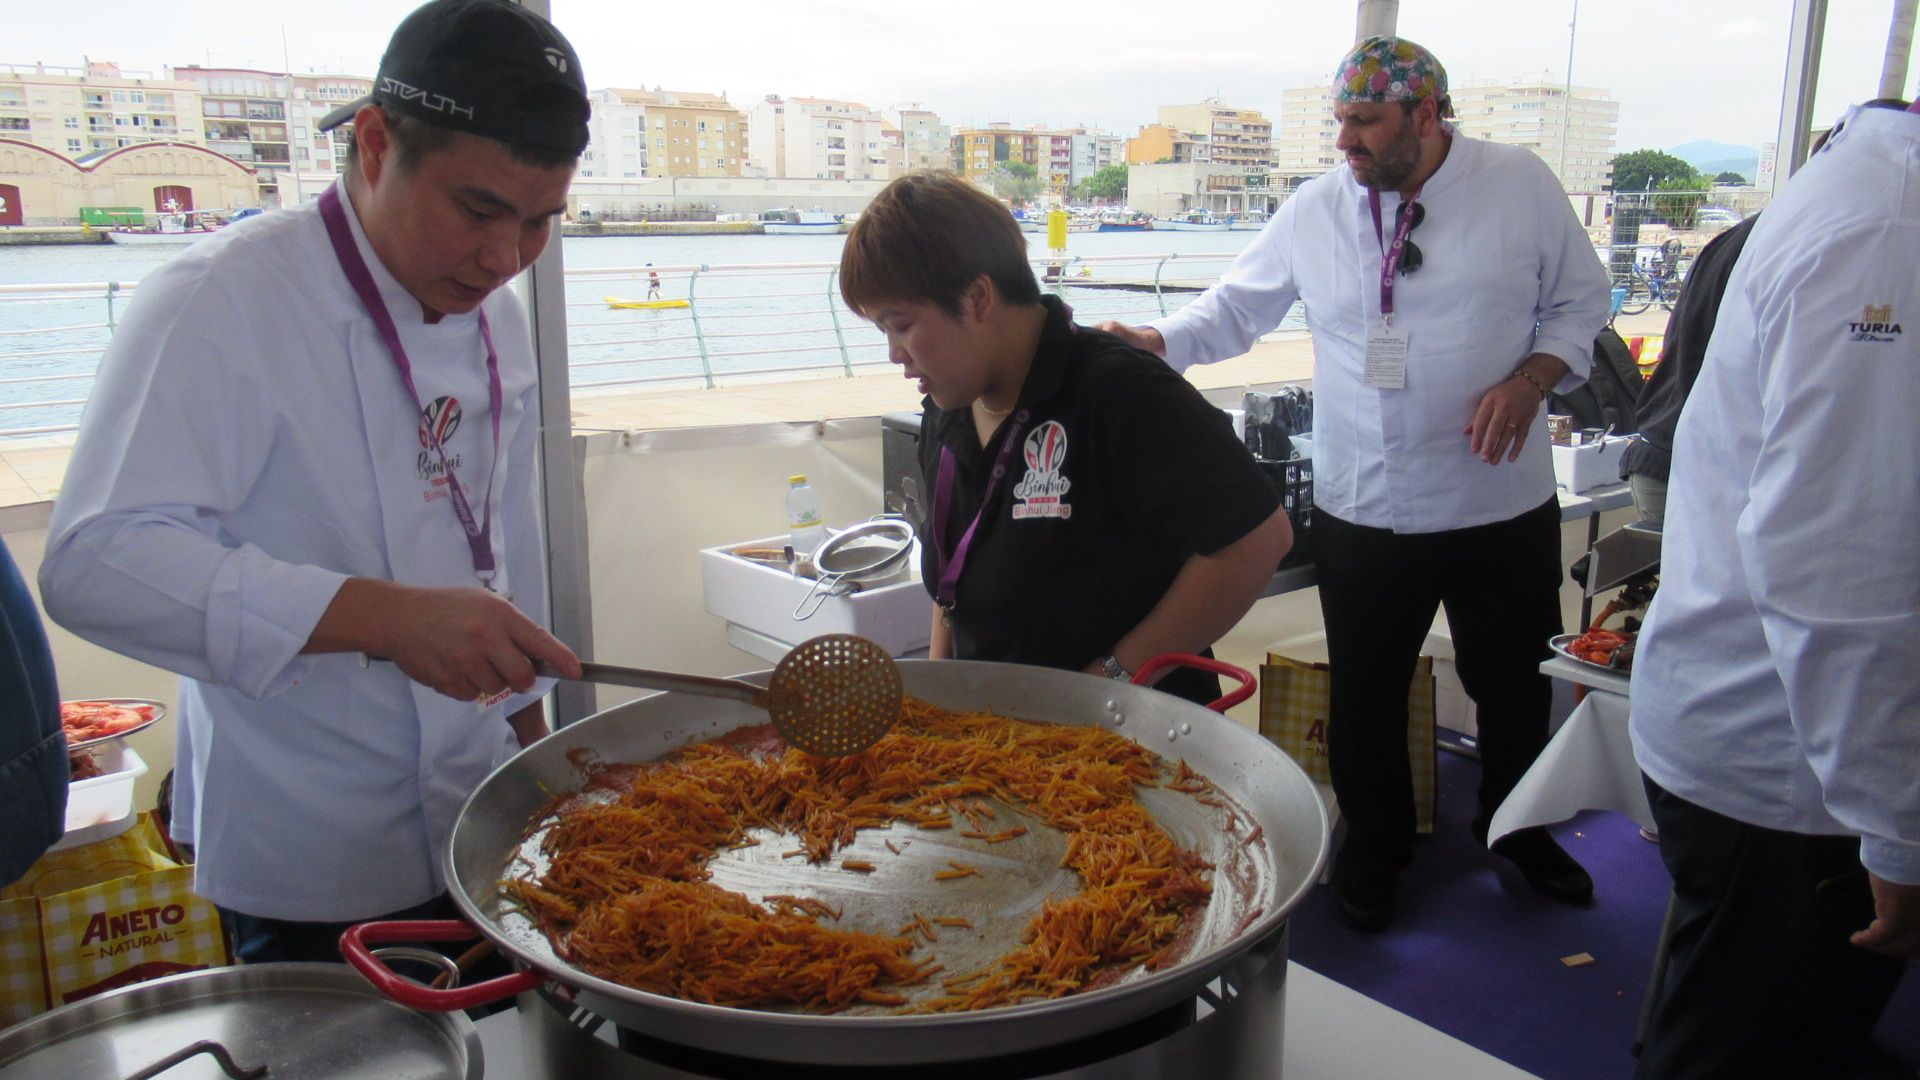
column 1192, row 221
column 179, row 228
column 798, row 222
column 1248, row 222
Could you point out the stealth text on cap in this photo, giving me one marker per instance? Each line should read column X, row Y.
column 437, row 102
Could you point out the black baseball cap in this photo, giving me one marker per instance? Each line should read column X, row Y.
column 485, row 67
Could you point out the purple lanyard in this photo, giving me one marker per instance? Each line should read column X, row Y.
column 951, row 565
column 479, row 534
column 1390, row 256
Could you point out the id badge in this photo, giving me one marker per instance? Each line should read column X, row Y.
column 1386, row 362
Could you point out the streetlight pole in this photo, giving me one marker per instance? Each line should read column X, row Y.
column 1566, row 103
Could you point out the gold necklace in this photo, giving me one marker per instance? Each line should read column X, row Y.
column 981, row 403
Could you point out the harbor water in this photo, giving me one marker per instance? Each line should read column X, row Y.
column 759, row 308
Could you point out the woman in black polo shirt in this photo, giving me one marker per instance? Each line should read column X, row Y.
column 1090, row 510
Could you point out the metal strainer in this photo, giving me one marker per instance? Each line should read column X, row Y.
column 832, row 695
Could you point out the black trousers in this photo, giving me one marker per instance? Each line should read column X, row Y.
column 1761, row 980
column 261, row 940
column 1379, row 591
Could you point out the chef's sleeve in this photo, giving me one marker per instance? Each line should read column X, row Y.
column 1250, row 299
column 1828, row 536
column 1575, row 292
column 174, row 435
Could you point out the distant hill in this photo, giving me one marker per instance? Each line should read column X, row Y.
column 1745, row 166
column 1712, row 158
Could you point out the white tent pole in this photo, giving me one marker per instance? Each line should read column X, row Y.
column 1893, row 72
column 1796, row 103
column 1377, row 18
column 564, row 510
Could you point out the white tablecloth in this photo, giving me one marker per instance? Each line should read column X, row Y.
column 1587, row 766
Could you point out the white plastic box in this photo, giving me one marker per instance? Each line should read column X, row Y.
column 109, row 797
column 760, row 599
column 1579, row 468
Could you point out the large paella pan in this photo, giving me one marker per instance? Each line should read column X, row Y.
column 1260, row 825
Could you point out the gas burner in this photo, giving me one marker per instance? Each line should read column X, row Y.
column 1232, row 1029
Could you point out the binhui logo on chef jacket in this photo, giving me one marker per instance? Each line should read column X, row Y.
column 438, row 422
column 1876, row 324
column 1042, row 493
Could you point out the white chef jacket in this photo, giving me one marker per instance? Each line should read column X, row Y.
column 1508, row 272
column 1777, row 680
column 248, row 446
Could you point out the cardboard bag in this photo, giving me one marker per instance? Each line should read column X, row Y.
column 1293, row 713
column 95, row 918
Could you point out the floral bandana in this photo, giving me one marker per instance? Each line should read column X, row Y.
column 1382, row 69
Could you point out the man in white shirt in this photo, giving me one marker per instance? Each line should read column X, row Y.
column 1776, row 700
column 1432, row 480
column 312, row 442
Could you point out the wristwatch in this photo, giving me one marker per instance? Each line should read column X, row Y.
column 1114, row 669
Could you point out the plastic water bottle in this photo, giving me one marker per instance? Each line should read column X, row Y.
column 803, row 517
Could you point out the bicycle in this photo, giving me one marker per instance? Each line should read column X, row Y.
column 1644, row 289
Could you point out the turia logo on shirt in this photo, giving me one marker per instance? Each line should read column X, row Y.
column 438, row 422
column 1876, row 324
column 1042, row 493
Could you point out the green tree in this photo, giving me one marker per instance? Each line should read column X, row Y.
column 1730, row 177
column 1016, row 181
column 1633, row 169
column 1109, row 183
column 1677, row 200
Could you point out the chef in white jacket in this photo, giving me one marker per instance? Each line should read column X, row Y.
column 1449, row 287
column 312, row 441
column 1776, row 686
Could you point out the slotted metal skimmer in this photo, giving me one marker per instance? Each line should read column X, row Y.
column 832, row 695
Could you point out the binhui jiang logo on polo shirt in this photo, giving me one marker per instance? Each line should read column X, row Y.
column 1042, row 493
column 1876, row 324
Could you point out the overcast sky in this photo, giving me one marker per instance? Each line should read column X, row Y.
column 1681, row 69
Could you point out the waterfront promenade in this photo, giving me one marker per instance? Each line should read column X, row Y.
column 31, row 470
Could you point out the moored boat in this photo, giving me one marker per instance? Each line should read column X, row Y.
column 1192, row 221
column 798, row 222
column 175, row 228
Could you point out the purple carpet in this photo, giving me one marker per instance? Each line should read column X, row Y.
column 1477, row 954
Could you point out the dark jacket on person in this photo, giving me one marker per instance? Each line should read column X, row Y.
column 1685, row 348
column 33, row 751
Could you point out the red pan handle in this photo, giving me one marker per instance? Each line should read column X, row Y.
column 1175, row 659
column 353, row 946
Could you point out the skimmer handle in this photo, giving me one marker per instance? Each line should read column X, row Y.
column 647, row 679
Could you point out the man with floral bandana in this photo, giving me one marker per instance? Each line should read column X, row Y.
column 1449, row 289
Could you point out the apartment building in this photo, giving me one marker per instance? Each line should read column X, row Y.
column 634, row 134
column 1303, row 141
column 1091, row 151
column 1169, row 189
column 1233, row 136
column 1164, row 144
column 925, row 141
column 76, row 111
column 823, row 139
column 270, row 120
column 1574, row 134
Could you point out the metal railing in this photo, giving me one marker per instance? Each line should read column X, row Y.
column 719, row 323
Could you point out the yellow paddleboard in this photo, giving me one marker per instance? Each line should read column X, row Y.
column 636, row 305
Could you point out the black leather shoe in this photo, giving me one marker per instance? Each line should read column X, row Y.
column 1363, row 894
column 1546, row 865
